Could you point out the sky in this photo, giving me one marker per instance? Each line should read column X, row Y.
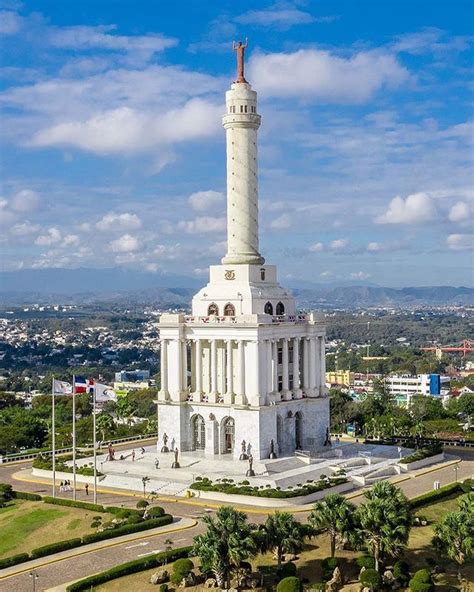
column 113, row 152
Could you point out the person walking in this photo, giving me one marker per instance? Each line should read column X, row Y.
column 142, row 450
column 86, row 487
column 133, row 455
column 61, row 487
column 157, row 464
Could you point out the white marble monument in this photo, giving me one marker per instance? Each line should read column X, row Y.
column 244, row 368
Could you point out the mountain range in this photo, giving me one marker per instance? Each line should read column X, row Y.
column 125, row 286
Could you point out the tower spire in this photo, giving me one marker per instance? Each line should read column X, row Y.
column 239, row 48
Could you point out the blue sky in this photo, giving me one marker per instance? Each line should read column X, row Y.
column 113, row 150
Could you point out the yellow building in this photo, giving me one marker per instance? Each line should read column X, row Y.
column 341, row 377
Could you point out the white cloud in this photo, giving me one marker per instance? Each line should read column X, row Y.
column 360, row 275
column 282, row 222
column 24, row 228
column 325, row 76
column 52, row 236
column 25, row 200
column 203, row 224
column 340, row 243
column 460, row 212
column 200, row 271
column 85, row 227
column 374, row 247
column 281, row 18
column 125, row 221
column 129, row 130
column 70, row 240
column 205, row 200
column 415, row 208
column 316, row 248
column 125, row 244
column 10, row 22
column 460, row 242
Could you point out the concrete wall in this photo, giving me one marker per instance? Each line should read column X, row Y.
column 419, row 464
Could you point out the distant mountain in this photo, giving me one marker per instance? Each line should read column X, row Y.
column 165, row 290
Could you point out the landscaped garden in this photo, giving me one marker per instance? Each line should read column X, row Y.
column 386, row 543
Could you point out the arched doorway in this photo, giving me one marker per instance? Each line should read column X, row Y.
column 198, row 432
column 213, row 309
column 298, row 430
column 228, row 435
column 280, row 309
column 229, row 310
column 268, row 308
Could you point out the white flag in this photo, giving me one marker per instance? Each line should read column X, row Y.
column 104, row 393
column 62, row 388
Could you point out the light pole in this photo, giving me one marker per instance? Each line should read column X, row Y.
column 455, row 469
column 34, row 576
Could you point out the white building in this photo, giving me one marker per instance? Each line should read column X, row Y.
column 244, row 366
column 405, row 386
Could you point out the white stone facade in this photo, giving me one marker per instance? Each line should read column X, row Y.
column 244, row 366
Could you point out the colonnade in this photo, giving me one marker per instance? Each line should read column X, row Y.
column 242, row 371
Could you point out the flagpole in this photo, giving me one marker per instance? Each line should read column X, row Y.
column 74, row 437
column 94, row 442
column 53, row 428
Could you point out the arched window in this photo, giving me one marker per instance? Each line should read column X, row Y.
column 268, row 308
column 213, row 309
column 280, row 309
column 229, row 310
column 262, row 273
column 228, row 435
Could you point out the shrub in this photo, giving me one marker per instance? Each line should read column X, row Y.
column 291, row 584
column 328, row 565
column 155, row 512
column 6, row 492
column 60, row 501
column 127, row 529
column 318, row 587
column 370, row 578
column 422, row 453
column 163, row 588
column 366, row 561
column 286, row 570
column 55, row 547
column 130, row 567
column 401, row 572
column 181, row 568
column 436, row 494
column 421, row 581
column 13, row 560
column 141, row 504
column 32, row 497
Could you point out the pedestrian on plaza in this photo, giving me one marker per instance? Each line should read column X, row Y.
column 61, row 487
column 157, row 464
column 142, row 450
column 86, row 487
column 133, row 455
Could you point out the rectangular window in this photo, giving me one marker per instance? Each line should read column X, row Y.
column 280, row 355
column 241, row 108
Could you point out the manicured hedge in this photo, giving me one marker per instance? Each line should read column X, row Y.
column 60, row 501
column 422, row 453
column 55, row 547
column 436, row 494
column 13, row 560
column 127, row 529
column 32, row 497
column 130, row 567
column 291, row 584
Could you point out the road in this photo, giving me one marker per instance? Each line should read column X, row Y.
column 77, row 563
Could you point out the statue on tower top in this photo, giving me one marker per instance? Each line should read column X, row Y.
column 240, row 49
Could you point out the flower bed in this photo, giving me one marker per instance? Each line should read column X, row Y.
column 46, row 464
column 244, row 488
column 423, row 453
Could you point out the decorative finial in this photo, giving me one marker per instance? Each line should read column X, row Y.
column 240, row 49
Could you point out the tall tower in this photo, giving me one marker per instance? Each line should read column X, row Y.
column 243, row 366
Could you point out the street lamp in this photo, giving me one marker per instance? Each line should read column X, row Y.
column 34, row 576
column 455, row 469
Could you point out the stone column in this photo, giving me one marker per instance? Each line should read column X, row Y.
column 213, row 394
column 270, row 385
column 240, row 391
column 184, row 362
column 296, row 368
column 306, row 365
column 317, row 366
column 198, row 368
column 285, row 376
column 275, row 367
column 313, row 357
column 322, row 388
column 164, row 393
column 228, row 398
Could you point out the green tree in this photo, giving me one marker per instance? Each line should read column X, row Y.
column 454, row 535
column 227, row 542
column 283, row 534
column 423, row 408
column 334, row 513
column 384, row 521
column 105, row 424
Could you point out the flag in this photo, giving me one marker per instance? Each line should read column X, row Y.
column 60, row 387
column 83, row 385
column 104, row 393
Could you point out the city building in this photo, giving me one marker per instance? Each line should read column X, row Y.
column 132, row 375
column 403, row 386
column 244, row 370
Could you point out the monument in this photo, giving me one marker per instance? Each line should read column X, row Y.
column 244, row 366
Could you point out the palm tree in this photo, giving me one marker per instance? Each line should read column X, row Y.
column 283, row 534
column 384, row 521
column 144, row 482
column 454, row 534
column 104, row 423
column 227, row 542
column 334, row 513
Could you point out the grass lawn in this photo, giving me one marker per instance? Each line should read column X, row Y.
column 25, row 525
column 308, row 563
